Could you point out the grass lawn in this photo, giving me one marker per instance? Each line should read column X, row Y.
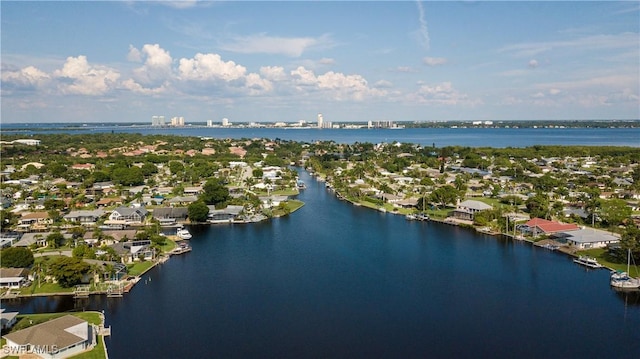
column 45, row 288
column 168, row 245
column 604, row 258
column 291, row 206
column 27, row 320
column 138, row 268
column 96, row 353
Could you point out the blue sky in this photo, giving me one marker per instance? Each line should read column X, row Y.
column 350, row 61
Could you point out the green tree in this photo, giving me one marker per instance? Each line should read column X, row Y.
column 84, row 251
column 56, row 240
column 538, row 205
column 68, row 271
column 16, row 257
column 214, row 192
column 148, row 169
column 444, row 195
column 128, row 176
column 614, row 211
column 198, row 211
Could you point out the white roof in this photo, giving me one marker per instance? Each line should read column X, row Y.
column 591, row 235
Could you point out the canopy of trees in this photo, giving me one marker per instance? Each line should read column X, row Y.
column 16, row 257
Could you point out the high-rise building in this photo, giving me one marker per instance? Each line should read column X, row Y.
column 157, row 120
column 320, row 121
column 177, row 121
column 209, row 123
column 225, row 122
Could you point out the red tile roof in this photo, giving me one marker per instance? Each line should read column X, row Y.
column 547, row 226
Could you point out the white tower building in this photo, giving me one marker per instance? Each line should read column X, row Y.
column 320, row 120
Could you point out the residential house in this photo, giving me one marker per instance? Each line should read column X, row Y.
column 169, row 215
column 467, row 210
column 7, row 319
column 13, row 278
column 273, row 201
column 128, row 215
column 135, row 250
column 35, row 221
column 225, row 215
column 33, row 238
column 106, row 202
column 182, row 200
column 537, row 226
column 85, row 218
column 192, row 191
column 8, row 238
column 57, row 338
column 587, row 238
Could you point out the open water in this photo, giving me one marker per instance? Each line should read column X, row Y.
column 339, row 281
column 440, row 137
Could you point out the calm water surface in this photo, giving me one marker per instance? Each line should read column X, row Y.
column 334, row 280
column 473, row 137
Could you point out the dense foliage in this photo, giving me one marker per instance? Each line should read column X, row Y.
column 16, row 257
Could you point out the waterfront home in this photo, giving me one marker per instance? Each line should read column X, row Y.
column 85, row 218
column 169, row 215
column 273, row 201
column 224, row 215
column 537, row 226
column 467, row 210
column 57, row 338
column 587, row 238
column 7, row 319
column 13, row 278
column 135, row 250
column 129, row 215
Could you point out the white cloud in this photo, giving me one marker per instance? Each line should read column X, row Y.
column 131, row 85
column 533, row 63
column 337, row 85
column 262, row 43
column 423, row 32
column 134, row 54
column 326, row 61
column 434, row 61
column 383, row 84
column 78, row 77
column 441, row 94
column 273, row 73
column 303, row 76
column 26, row 78
column 209, row 67
column 156, row 70
column 407, row 69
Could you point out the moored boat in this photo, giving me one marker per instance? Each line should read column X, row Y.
column 622, row 280
column 588, row 261
column 183, row 233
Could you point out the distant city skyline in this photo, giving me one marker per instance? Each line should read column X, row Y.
column 289, row 61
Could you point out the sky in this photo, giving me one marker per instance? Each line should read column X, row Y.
column 269, row 61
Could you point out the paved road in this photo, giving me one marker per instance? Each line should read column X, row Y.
column 53, row 253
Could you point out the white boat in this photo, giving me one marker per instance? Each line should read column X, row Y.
column 588, row 261
column 183, row 233
column 623, row 280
